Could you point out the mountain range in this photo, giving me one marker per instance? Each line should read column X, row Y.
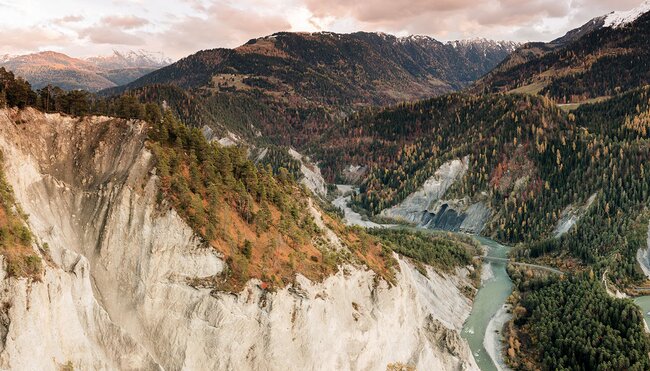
column 92, row 74
column 293, row 203
column 331, row 68
column 604, row 57
column 289, row 87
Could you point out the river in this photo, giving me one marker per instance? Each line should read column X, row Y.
column 495, row 289
column 644, row 303
column 488, row 309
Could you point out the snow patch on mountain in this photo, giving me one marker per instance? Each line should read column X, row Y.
column 481, row 43
column 6, row 57
column 485, row 44
column 131, row 59
column 623, row 18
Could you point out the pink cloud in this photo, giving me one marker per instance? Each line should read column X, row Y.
column 124, row 22
column 187, row 26
column 68, row 19
column 110, row 35
column 30, row 38
column 220, row 26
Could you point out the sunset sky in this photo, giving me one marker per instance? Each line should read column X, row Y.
column 178, row 28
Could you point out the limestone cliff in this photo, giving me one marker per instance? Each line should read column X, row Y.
column 119, row 286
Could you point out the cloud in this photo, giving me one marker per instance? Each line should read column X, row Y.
column 6, row 5
column 29, row 39
column 124, row 22
column 183, row 27
column 445, row 17
column 109, row 35
column 115, row 30
column 522, row 20
column 219, row 26
column 68, row 19
column 374, row 11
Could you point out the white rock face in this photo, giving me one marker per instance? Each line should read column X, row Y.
column 570, row 216
column 643, row 257
column 311, row 176
column 351, row 217
column 354, row 173
column 431, row 191
column 116, row 295
column 231, row 139
column 427, row 207
column 476, row 217
column 457, row 215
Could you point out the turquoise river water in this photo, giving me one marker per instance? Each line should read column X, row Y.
column 492, row 295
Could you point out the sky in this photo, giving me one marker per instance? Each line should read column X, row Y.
column 181, row 27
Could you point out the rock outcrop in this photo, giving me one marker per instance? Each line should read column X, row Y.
column 119, row 289
column 311, row 176
column 427, row 207
column 570, row 216
column 643, row 257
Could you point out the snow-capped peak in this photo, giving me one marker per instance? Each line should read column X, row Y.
column 6, row 58
column 416, row 38
column 484, row 43
column 130, row 59
column 622, row 18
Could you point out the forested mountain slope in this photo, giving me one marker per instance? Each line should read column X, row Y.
column 528, row 159
column 198, row 251
column 303, row 82
column 605, row 57
column 565, row 189
column 150, row 247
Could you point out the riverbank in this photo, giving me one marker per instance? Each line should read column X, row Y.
column 488, row 314
column 484, row 319
column 493, row 341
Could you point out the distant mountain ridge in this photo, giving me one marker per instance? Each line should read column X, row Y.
column 608, row 55
column 92, row 74
column 131, row 59
column 361, row 67
column 290, row 87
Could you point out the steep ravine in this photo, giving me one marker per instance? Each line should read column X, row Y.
column 116, row 295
